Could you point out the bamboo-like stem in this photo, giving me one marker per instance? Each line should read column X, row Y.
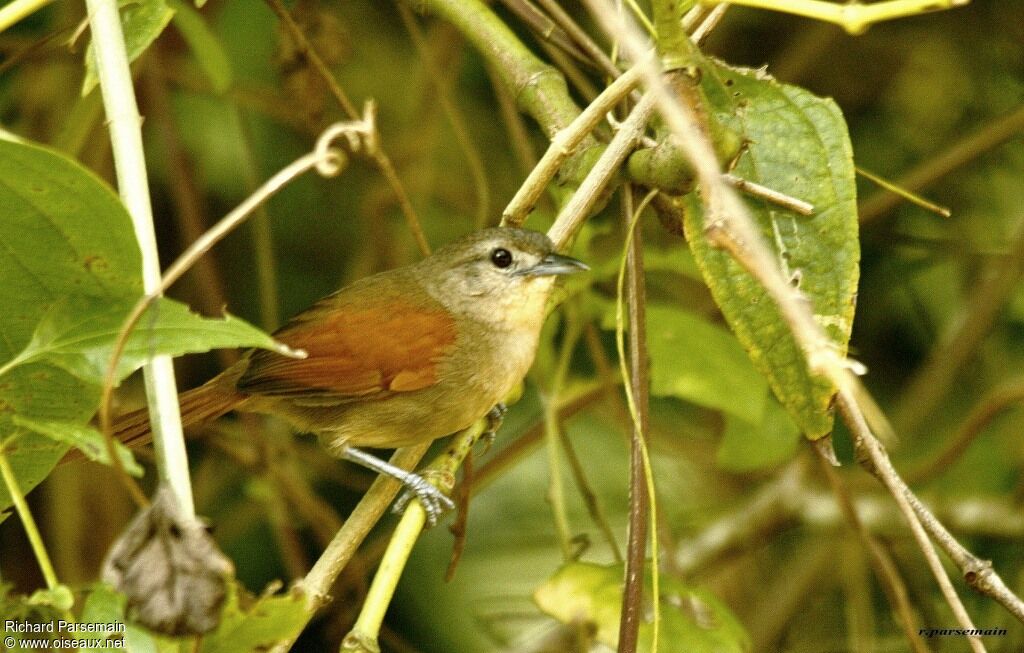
column 578, row 209
column 28, row 522
column 539, row 89
column 15, row 10
column 365, row 632
column 730, row 225
column 854, row 17
column 129, row 160
column 564, row 143
column 378, row 155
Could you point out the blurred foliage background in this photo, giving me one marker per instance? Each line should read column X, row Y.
column 933, row 101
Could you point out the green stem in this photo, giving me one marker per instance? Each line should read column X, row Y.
column 29, row 523
column 673, row 43
column 14, row 11
column 539, row 89
column 364, row 634
column 853, row 17
column 130, row 163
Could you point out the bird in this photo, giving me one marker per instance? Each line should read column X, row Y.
column 398, row 358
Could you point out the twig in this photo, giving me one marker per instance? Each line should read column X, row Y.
column 378, row 155
column 580, row 36
column 27, row 521
column 544, row 28
column 365, row 632
column 881, row 561
column 936, row 167
column 639, row 386
column 327, row 160
column 870, row 450
column 564, row 143
column 902, row 193
column 934, row 378
column 130, row 162
column 317, row 583
column 578, row 208
column 975, row 423
column 769, row 194
column 454, row 115
column 15, row 10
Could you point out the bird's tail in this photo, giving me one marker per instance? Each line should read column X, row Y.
column 198, row 406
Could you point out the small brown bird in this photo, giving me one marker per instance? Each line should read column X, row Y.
column 398, row 358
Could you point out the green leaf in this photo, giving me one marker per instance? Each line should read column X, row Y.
column 747, row 447
column 796, row 144
column 694, row 360
column 84, row 438
column 257, row 625
column 692, row 620
column 70, row 270
column 142, row 21
column 205, row 45
column 78, row 335
column 59, row 598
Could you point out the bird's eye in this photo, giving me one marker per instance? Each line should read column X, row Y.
column 501, row 257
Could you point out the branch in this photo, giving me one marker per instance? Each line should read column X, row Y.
column 539, row 89
column 731, row 224
column 130, row 162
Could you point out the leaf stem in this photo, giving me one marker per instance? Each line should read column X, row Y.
column 27, row 521
column 130, row 162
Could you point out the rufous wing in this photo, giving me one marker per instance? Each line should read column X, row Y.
column 376, row 346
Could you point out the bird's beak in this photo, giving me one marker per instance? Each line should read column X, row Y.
column 555, row 264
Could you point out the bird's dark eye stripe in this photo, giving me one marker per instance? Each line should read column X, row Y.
column 501, row 257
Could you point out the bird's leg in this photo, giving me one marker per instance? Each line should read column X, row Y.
column 495, row 416
column 435, row 503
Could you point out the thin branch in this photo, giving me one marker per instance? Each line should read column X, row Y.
column 27, row 521
column 15, row 10
column 873, row 455
column 379, row 156
column 639, row 385
column 881, row 561
column 564, row 143
column 455, row 118
column 130, row 163
column 366, row 630
column 578, row 208
column 962, row 338
column 944, row 163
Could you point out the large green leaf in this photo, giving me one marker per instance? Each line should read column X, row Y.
column 695, row 360
column 78, row 335
column 70, row 270
column 692, row 620
column 797, row 144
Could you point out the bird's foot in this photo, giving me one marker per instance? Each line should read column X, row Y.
column 435, row 503
column 495, row 416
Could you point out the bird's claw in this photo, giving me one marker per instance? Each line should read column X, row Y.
column 495, row 416
column 434, row 502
